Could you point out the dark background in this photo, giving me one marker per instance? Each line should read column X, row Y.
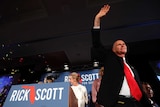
column 35, row 34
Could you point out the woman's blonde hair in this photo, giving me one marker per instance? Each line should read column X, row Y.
column 75, row 76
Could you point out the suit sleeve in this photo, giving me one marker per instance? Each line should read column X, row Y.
column 98, row 51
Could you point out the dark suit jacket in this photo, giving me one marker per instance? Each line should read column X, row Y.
column 113, row 75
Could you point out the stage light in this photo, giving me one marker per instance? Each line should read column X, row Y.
column 48, row 69
column 95, row 64
column 66, row 67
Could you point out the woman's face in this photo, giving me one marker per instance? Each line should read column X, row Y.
column 71, row 80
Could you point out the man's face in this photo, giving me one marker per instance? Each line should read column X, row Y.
column 119, row 47
column 148, row 90
column 49, row 81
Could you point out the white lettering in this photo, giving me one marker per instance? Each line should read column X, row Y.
column 26, row 93
column 38, row 92
column 14, row 93
column 19, row 95
column 66, row 79
column 89, row 77
column 54, row 94
column 49, row 94
column 60, row 93
column 41, row 94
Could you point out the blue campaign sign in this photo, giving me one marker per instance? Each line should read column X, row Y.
column 87, row 77
column 38, row 95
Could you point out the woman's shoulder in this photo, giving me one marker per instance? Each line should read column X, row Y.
column 82, row 86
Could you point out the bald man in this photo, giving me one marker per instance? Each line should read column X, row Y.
column 114, row 89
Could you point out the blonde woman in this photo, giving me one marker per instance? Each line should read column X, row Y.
column 79, row 90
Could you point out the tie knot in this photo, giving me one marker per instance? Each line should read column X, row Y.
column 124, row 59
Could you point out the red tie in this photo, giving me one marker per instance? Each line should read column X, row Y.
column 134, row 88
